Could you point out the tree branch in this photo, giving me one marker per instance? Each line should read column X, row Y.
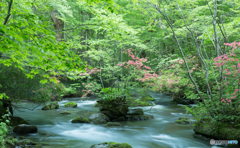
column 9, row 10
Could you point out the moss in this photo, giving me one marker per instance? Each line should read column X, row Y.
column 147, row 98
column 183, row 120
column 112, row 145
column 46, row 107
column 212, row 130
column 113, row 124
column 70, row 104
column 52, row 105
column 138, row 102
column 80, row 119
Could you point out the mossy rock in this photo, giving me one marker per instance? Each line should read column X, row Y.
column 70, row 104
column 138, row 102
column 94, row 117
column 147, row 98
column 136, row 111
column 114, row 107
column 52, row 105
column 137, row 117
column 98, row 118
column 65, row 113
column 113, row 124
column 80, row 119
column 24, row 129
column 111, row 145
column 214, row 131
column 46, row 107
column 17, row 120
column 184, row 120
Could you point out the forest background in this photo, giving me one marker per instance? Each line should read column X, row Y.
column 188, row 49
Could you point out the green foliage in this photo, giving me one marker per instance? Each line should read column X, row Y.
column 4, row 121
column 138, row 102
column 112, row 93
column 70, row 91
column 147, row 98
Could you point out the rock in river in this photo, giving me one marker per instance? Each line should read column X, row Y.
column 52, row 105
column 111, row 145
column 70, row 104
column 24, row 129
column 137, row 111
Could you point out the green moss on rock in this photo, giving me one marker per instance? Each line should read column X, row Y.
column 52, row 105
column 112, row 145
column 137, row 117
column 147, row 98
column 214, row 131
column 138, row 102
column 70, row 104
column 113, row 124
column 80, row 119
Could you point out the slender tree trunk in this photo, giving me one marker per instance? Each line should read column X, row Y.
column 58, row 25
column 163, row 13
column 217, row 47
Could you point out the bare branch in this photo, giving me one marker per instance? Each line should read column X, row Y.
column 9, row 10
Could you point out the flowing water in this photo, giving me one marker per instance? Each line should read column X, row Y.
column 160, row 132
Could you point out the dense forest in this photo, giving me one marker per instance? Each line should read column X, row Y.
column 119, row 57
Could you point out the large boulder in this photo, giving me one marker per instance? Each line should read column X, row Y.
column 111, row 145
column 94, row 117
column 70, row 104
column 223, row 131
column 80, row 119
column 137, row 117
column 98, row 118
column 52, row 105
column 24, row 129
column 114, row 108
column 137, row 111
column 17, row 120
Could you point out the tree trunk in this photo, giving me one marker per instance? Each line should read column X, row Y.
column 217, row 47
column 58, row 25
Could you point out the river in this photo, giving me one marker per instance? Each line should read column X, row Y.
column 160, row 132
